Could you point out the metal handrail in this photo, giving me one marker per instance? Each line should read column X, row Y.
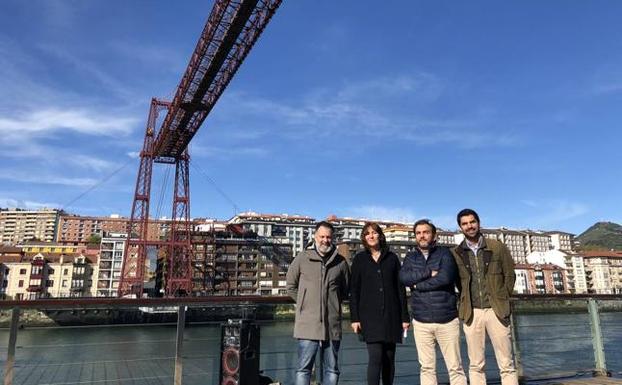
column 590, row 312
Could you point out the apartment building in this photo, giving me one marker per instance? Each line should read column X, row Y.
column 20, row 225
column 47, row 270
column 294, row 230
column 537, row 241
column 396, row 233
column 110, row 264
column 77, row 229
column 239, row 263
column 513, row 239
column 560, row 240
column 351, row 228
column 578, row 280
column 541, row 279
column 8, row 256
column 603, row 271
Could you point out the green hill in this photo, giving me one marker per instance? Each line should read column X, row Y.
column 601, row 235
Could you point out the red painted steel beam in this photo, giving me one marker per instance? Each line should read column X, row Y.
column 232, row 29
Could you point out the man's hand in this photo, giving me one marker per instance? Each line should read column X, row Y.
column 356, row 327
column 405, row 325
column 434, row 273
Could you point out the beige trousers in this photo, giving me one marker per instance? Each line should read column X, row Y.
column 447, row 335
column 486, row 321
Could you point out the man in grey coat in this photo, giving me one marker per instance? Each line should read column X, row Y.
column 318, row 280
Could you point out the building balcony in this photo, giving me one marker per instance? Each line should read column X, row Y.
column 36, row 276
column 38, row 262
column 75, row 289
column 34, row 288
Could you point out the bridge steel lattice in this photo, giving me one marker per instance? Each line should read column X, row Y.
column 230, row 32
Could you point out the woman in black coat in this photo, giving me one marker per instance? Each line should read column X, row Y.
column 378, row 308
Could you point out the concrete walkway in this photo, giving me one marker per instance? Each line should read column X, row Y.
column 585, row 381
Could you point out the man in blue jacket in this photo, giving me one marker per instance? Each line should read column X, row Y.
column 430, row 272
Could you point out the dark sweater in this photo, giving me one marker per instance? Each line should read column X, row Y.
column 434, row 298
column 378, row 299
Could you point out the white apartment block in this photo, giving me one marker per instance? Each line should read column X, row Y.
column 560, row 240
column 18, row 226
column 514, row 240
column 603, row 271
column 110, row 264
column 536, row 241
column 579, row 280
column 295, row 230
column 399, row 233
column 521, row 285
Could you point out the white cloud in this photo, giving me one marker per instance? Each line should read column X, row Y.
column 54, row 119
column 25, row 204
column 552, row 213
column 46, row 178
column 375, row 109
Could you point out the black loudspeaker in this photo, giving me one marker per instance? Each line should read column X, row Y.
column 239, row 362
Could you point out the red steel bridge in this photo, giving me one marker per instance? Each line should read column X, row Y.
column 230, row 32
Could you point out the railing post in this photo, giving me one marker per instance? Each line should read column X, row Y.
column 597, row 337
column 518, row 362
column 181, row 322
column 10, row 356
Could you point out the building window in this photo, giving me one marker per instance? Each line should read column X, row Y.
column 20, row 283
column 64, row 283
column 22, row 271
column 65, row 271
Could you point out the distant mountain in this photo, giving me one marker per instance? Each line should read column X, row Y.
column 602, row 235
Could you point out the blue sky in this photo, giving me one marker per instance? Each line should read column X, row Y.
column 397, row 111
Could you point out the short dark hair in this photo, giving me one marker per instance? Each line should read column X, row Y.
column 425, row 222
column 464, row 213
column 325, row 224
column 382, row 240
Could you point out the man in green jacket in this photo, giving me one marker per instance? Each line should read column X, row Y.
column 318, row 280
column 486, row 282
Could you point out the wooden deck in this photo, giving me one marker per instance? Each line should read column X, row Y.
column 585, row 381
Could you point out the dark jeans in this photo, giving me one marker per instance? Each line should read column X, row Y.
column 381, row 361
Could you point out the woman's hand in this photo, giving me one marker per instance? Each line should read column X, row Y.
column 356, row 327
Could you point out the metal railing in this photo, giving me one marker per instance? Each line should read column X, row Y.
column 554, row 336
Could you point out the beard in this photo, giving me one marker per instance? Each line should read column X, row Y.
column 324, row 249
column 424, row 245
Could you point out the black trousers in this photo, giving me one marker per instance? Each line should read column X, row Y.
column 381, row 362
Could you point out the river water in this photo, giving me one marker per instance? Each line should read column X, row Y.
column 143, row 354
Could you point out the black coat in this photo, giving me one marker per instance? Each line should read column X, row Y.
column 378, row 299
column 434, row 298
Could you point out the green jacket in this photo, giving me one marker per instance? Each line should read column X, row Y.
column 499, row 273
column 318, row 288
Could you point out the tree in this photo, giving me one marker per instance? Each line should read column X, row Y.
column 94, row 239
